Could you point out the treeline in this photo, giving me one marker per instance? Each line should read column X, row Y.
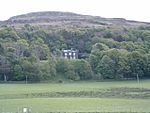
column 33, row 53
column 118, row 64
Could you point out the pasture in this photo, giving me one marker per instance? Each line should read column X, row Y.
column 87, row 96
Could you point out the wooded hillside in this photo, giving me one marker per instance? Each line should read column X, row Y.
column 31, row 44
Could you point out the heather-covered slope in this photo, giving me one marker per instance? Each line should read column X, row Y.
column 69, row 20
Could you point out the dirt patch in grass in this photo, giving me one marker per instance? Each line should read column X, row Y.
column 123, row 92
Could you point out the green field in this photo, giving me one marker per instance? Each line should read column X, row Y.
column 116, row 96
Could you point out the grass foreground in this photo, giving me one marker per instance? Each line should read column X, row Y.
column 116, row 96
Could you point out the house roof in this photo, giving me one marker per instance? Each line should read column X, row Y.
column 70, row 51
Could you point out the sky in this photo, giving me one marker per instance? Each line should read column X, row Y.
column 138, row 10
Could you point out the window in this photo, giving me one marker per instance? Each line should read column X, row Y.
column 65, row 54
column 70, row 54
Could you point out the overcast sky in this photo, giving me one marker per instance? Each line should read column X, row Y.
column 129, row 9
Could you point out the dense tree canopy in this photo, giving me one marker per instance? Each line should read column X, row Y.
column 33, row 53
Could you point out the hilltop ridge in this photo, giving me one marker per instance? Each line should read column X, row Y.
column 68, row 19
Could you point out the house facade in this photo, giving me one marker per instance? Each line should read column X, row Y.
column 70, row 54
